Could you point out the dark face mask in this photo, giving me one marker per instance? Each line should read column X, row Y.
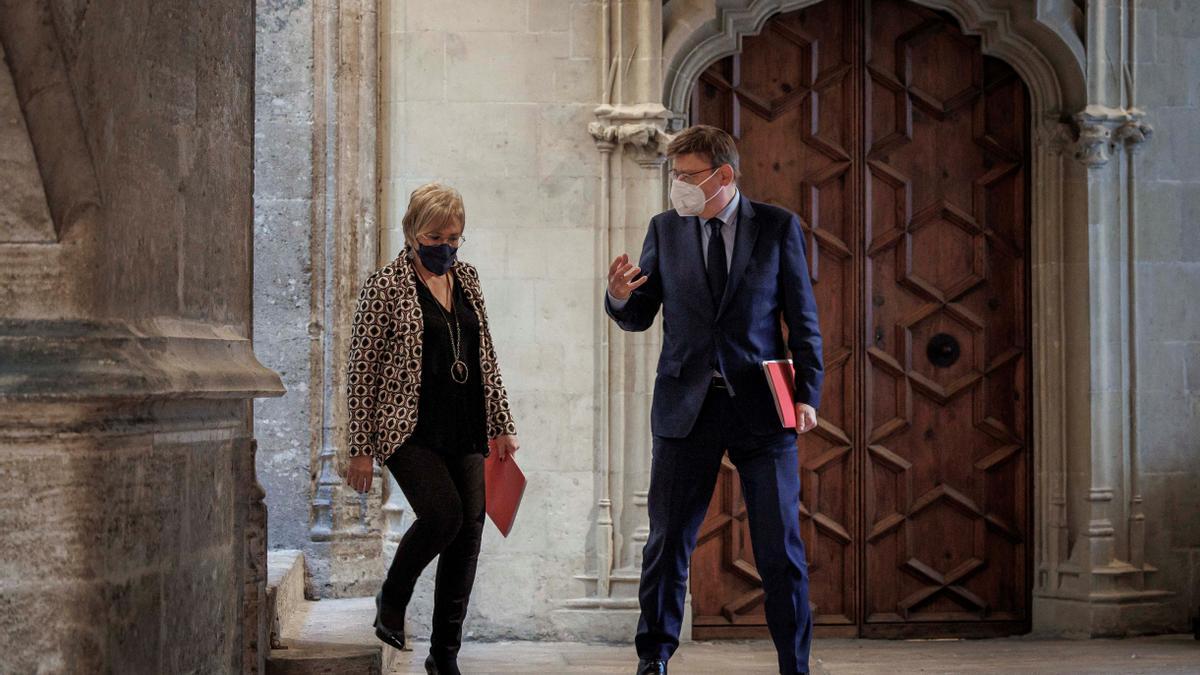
column 437, row 259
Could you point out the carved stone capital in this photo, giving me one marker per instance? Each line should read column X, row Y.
column 1094, row 144
column 632, row 112
column 1058, row 137
column 1134, row 132
column 1102, row 130
column 640, row 126
column 605, row 135
column 648, row 141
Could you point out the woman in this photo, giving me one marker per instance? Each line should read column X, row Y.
column 425, row 397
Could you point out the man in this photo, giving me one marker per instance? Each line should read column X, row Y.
column 723, row 269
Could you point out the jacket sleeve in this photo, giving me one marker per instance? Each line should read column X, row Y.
column 367, row 342
column 499, row 414
column 800, row 314
column 638, row 311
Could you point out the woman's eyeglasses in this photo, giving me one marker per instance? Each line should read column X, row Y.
column 455, row 240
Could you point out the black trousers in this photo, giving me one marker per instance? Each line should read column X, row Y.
column 447, row 496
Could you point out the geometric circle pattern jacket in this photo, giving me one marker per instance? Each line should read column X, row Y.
column 384, row 382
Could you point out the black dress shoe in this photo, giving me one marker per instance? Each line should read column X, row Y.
column 388, row 635
column 652, row 667
column 441, row 667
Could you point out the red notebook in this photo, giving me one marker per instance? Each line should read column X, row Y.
column 504, row 484
column 781, row 378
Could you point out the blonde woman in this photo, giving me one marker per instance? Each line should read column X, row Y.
column 425, row 399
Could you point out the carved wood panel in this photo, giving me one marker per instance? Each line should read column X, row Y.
column 790, row 98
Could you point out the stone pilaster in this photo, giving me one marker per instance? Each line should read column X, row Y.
column 631, row 138
column 345, row 551
column 1106, row 586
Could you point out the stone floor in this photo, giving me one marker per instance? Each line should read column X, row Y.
column 347, row 622
column 1170, row 654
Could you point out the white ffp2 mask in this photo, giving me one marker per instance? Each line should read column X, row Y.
column 688, row 199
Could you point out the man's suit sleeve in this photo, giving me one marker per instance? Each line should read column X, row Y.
column 800, row 313
column 638, row 311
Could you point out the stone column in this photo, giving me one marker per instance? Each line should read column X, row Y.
column 1106, row 586
column 133, row 537
column 631, row 138
column 345, row 554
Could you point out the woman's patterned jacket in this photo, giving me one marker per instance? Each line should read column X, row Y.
column 384, row 383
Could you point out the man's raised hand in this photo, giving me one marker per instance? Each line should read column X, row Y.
column 622, row 281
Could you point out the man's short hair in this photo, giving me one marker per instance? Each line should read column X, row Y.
column 709, row 141
column 432, row 206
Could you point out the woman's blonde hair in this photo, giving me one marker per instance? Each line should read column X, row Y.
column 431, row 206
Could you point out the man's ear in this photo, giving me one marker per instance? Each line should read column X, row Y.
column 727, row 174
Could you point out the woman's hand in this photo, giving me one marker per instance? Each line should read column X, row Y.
column 806, row 417
column 360, row 473
column 504, row 446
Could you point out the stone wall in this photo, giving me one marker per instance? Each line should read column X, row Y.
column 494, row 98
column 284, row 332
column 126, row 369
column 1167, row 280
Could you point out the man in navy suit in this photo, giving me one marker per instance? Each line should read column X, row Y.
column 724, row 269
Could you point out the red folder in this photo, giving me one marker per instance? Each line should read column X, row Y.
column 781, row 378
column 504, row 484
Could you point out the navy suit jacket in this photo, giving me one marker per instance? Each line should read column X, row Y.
column 768, row 278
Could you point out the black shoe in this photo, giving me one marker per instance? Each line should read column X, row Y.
column 445, row 667
column 389, row 636
column 652, row 667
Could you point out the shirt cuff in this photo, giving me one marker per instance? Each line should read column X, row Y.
column 616, row 304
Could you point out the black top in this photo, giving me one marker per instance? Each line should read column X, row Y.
column 451, row 417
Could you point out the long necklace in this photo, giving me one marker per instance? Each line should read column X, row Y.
column 458, row 369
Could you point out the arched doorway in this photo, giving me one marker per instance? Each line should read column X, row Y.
column 905, row 151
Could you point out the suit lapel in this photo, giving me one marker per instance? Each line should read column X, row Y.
column 743, row 247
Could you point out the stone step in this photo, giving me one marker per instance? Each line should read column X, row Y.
column 324, row 633
column 325, row 659
column 285, row 591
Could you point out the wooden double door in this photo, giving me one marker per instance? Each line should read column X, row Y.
column 905, row 152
